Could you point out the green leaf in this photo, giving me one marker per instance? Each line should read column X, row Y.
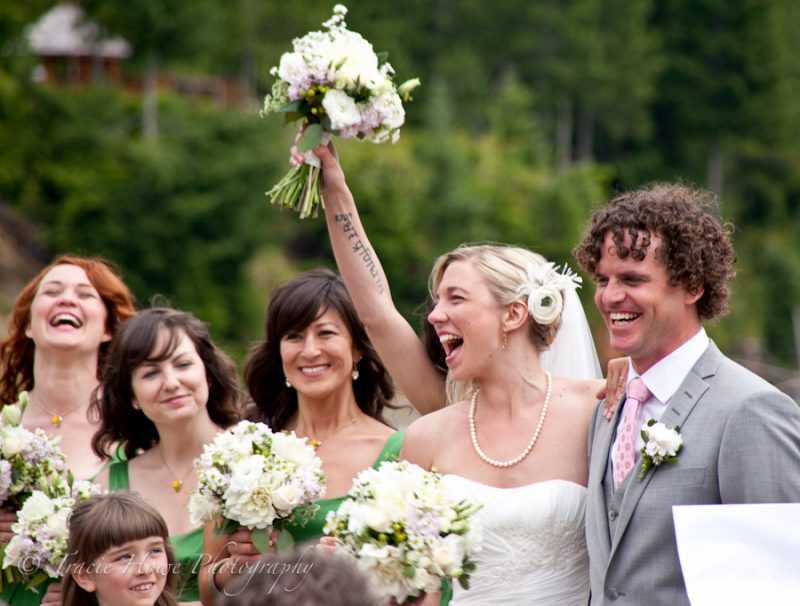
column 289, row 117
column 226, row 526
column 292, row 106
column 383, row 57
column 39, row 578
column 409, row 572
column 260, row 538
column 284, row 542
column 312, row 137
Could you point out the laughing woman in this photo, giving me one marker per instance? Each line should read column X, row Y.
column 59, row 333
column 316, row 374
column 167, row 390
column 520, row 360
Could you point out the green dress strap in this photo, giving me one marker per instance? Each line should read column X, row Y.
column 118, row 476
column 390, row 450
column 312, row 530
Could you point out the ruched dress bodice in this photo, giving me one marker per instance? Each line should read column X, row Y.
column 533, row 548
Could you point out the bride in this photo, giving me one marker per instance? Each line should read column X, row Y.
column 519, row 352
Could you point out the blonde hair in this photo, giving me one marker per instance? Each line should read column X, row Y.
column 506, row 271
column 105, row 521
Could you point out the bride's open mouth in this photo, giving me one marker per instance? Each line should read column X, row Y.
column 451, row 344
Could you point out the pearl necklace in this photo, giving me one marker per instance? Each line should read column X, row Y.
column 547, row 394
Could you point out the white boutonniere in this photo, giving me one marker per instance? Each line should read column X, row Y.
column 661, row 445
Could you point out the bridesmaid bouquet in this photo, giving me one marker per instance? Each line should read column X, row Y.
column 39, row 545
column 334, row 83
column 250, row 476
column 26, row 456
column 406, row 531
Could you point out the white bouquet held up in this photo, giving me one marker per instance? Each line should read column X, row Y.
column 250, row 476
column 39, row 545
column 335, row 84
column 407, row 532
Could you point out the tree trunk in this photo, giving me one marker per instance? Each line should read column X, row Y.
column 714, row 178
column 150, row 100
column 585, row 146
column 564, row 134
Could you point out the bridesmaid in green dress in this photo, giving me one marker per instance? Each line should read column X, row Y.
column 317, row 374
column 57, row 338
column 167, row 390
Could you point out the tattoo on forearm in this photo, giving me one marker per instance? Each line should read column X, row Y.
column 359, row 248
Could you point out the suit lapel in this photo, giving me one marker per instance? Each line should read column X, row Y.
column 679, row 407
column 601, row 451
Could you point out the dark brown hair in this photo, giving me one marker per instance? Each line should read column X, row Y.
column 134, row 345
column 17, row 351
column 106, row 521
column 695, row 246
column 294, row 306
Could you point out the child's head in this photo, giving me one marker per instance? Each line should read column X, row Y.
column 118, row 554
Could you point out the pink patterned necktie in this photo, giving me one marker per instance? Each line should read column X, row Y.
column 637, row 393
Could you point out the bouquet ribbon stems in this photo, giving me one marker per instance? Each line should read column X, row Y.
column 299, row 190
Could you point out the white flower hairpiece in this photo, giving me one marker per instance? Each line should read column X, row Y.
column 543, row 290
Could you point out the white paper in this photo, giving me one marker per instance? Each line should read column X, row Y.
column 740, row 555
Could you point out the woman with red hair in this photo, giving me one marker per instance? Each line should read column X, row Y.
column 59, row 332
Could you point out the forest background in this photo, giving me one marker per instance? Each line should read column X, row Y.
column 530, row 113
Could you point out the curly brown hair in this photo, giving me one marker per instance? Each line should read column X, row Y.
column 696, row 247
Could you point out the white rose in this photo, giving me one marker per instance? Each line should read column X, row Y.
column 354, row 58
column 286, row 498
column 376, row 518
column 16, row 439
column 13, row 552
column 448, row 554
column 341, row 109
column 662, row 442
column 295, row 450
column 203, row 508
column 37, row 507
column 545, row 304
column 56, row 525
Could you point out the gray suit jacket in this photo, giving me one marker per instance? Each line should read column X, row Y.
column 741, row 444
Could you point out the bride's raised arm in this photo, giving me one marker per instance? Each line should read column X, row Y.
column 394, row 338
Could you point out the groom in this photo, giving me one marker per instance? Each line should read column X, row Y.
column 661, row 263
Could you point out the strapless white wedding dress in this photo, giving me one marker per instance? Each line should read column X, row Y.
column 533, row 548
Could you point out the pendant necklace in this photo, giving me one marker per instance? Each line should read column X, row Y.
column 177, row 484
column 317, row 443
column 56, row 419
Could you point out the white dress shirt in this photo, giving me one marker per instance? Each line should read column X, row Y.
column 663, row 380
